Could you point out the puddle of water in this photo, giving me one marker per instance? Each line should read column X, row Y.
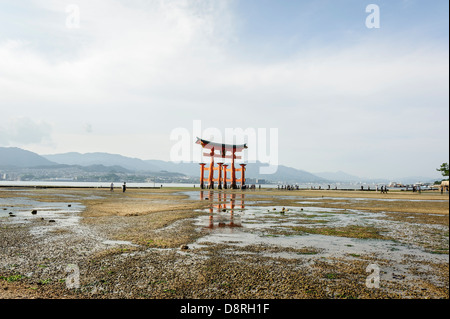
column 209, row 194
column 219, row 230
column 327, row 246
column 18, row 211
column 306, row 202
column 373, row 199
column 278, row 216
column 93, row 197
column 242, row 225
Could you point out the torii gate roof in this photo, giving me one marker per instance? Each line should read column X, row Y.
column 219, row 146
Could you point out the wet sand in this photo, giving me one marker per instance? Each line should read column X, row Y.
column 181, row 243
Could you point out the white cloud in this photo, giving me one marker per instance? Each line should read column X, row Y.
column 143, row 68
column 25, row 131
column 122, row 53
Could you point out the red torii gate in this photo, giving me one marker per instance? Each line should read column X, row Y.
column 223, row 149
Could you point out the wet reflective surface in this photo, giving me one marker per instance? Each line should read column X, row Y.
column 45, row 215
column 227, row 244
column 237, row 220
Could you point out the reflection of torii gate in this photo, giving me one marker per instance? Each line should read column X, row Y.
column 225, row 201
column 222, row 149
column 223, row 205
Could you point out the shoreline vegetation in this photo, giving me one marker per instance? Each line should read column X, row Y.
column 175, row 243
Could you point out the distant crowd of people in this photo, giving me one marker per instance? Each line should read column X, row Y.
column 288, row 187
column 383, row 189
column 416, row 189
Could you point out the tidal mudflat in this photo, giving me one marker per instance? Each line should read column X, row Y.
column 187, row 243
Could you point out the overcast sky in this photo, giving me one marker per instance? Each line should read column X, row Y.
column 119, row 76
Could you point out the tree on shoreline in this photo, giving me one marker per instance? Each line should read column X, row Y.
column 443, row 169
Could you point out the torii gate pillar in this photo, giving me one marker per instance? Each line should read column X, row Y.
column 225, row 176
column 242, row 175
column 202, row 172
column 211, row 170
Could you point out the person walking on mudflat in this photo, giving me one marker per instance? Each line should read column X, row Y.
column 124, row 187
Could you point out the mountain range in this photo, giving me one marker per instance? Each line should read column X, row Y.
column 13, row 157
column 338, row 176
column 284, row 173
column 17, row 157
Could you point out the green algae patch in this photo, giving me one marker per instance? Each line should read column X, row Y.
column 351, row 231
